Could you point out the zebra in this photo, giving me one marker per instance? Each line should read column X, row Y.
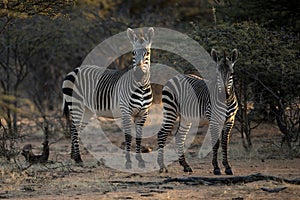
column 124, row 94
column 178, row 102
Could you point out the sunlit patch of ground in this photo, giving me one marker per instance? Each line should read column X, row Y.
column 62, row 179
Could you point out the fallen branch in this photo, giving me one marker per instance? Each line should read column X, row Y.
column 30, row 157
column 231, row 179
column 215, row 180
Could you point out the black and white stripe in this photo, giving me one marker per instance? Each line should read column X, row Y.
column 190, row 97
column 112, row 93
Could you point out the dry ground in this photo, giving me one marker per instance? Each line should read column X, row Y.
column 62, row 179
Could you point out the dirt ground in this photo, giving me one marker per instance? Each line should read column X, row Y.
column 61, row 178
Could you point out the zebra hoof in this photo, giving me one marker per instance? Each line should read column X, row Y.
column 141, row 164
column 217, row 171
column 228, row 171
column 187, row 169
column 128, row 165
column 163, row 170
column 78, row 160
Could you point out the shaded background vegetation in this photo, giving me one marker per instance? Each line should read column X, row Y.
column 41, row 41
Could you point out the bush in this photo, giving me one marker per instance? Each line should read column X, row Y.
column 267, row 74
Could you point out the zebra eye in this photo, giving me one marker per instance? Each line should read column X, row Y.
column 148, row 53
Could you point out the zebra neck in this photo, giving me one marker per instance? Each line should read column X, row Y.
column 230, row 88
column 230, row 95
column 140, row 77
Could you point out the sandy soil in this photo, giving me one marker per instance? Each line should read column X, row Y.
column 62, row 179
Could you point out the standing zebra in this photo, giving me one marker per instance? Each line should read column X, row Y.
column 179, row 101
column 111, row 93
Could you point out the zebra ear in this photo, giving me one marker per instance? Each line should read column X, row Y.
column 131, row 35
column 234, row 55
column 214, row 55
column 150, row 34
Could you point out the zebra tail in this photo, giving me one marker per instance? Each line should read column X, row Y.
column 66, row 114
column 65, row 109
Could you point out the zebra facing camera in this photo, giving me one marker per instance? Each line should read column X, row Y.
column 100, row 138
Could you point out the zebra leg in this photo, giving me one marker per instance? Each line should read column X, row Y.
column 183, row 128
column 224, row 143
column 75, row 130
column 215, row 129
column 217, row 170
column 126, row 122
column 75, row 152
column 169, row 117
column 161, row 140
column 162, row 136
column 139, row 124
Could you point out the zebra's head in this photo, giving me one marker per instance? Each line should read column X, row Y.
column 225, row 65
column 141, row 53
